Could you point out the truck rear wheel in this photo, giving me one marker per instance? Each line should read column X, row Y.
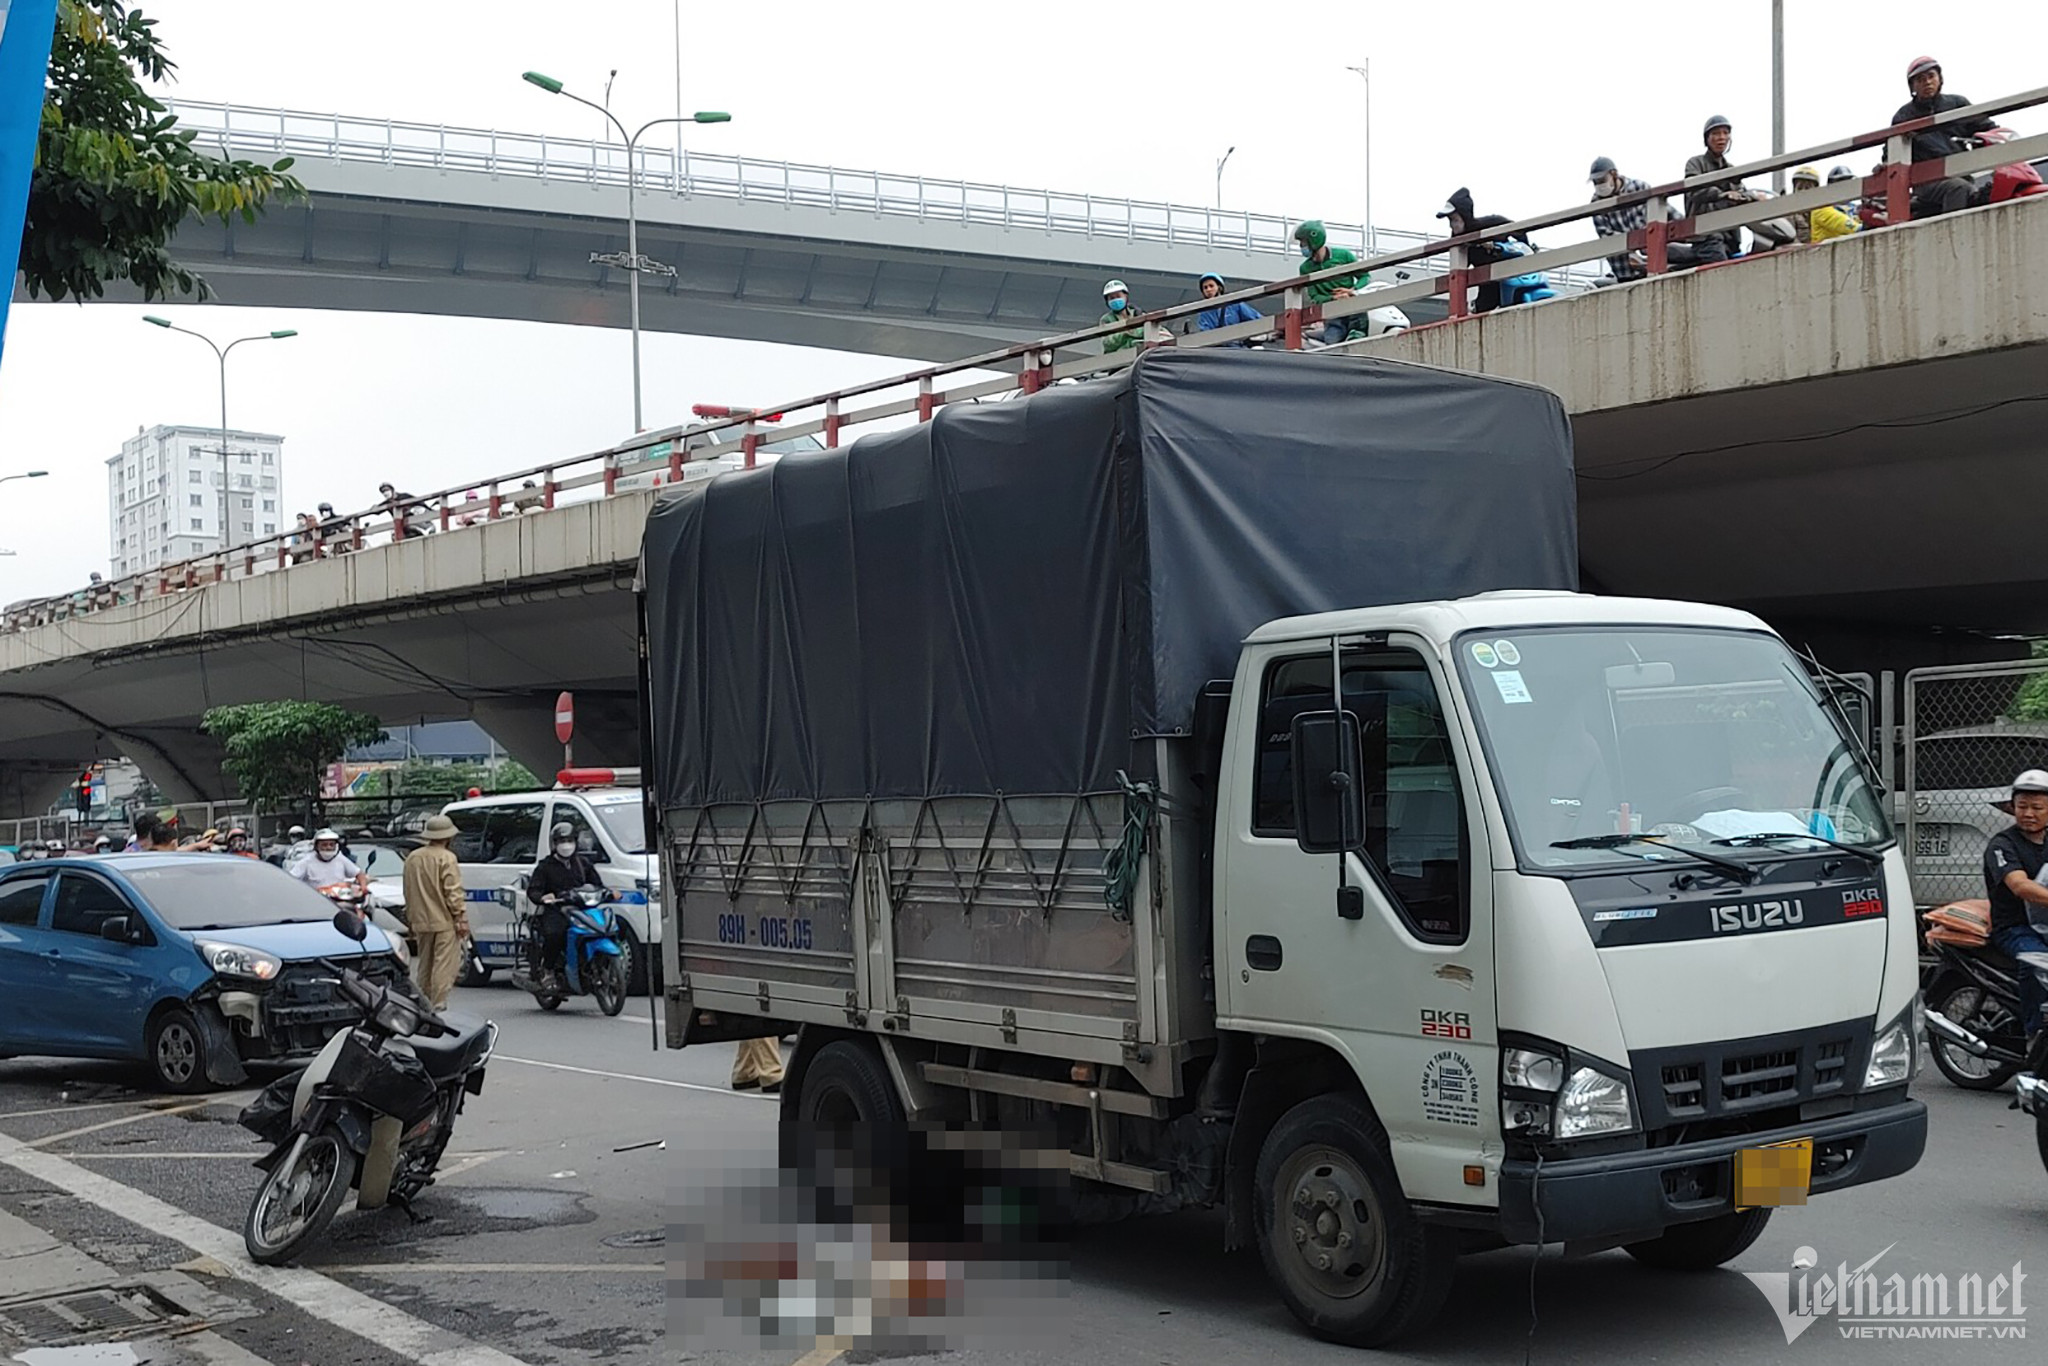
column 1338, row 1238
column 1704, row 1245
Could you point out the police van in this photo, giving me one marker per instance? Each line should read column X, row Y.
column 499, row 840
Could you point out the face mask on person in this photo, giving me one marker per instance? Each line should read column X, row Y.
column 1119, row 304
column 1307, row 252
column 1605, row 187
column 326, row 853
column 565, row 848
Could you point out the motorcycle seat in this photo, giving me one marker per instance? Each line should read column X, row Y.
column 451, row 1055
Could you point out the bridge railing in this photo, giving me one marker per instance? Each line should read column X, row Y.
column 685, row 174
column 663, row 456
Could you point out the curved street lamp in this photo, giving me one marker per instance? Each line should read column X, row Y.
column 31, row 474
column 222, row 352
column 635, row 264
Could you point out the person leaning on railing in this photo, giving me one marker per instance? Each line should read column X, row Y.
column 1719, row 135
column 1317, row 254
column 1460, row 219
column 1825, row 223
column 1924, row 83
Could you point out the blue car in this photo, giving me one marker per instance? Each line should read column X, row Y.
column 195, row 964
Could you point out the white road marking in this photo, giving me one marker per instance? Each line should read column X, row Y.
column 490, row 1268
column 67, row 1109
column 255, row 1152
column 634, row 1076
column 325, row 1299
column 825, row 1353
column 137, row 1118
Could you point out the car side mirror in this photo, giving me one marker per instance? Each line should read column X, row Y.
column 1328, row 815
column 352, row 923
column 121, row 929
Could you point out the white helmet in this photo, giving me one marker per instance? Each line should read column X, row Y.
column 2033, row 780
column 326, row 835
column 1115, row 287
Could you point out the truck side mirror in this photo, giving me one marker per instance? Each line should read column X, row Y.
column 1329, row 818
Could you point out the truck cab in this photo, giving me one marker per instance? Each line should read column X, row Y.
column 1619, row 896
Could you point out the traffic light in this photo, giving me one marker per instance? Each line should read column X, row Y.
column 84, row 794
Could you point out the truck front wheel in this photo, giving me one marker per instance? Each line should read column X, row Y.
column 1704, row 1245
column 1338, row 1238
column 846, row 1133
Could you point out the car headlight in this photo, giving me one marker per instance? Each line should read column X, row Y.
column 1594, row 1103
column 1893, row 1054
column 238, row 960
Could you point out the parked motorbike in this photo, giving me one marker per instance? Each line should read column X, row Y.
column 1974, row 986
column 592, row 965
column 373, row 1112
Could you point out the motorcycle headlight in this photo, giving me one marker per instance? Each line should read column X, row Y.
column 397, row 1017
column 1893, row 1055
column 1594, row 1103
column 238, row 960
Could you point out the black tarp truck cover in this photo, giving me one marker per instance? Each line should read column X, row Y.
column 1001, row 599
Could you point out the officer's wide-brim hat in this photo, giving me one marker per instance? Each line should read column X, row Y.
column 438, row 828
column 2033, row 780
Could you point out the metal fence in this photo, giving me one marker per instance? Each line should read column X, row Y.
column 355, row 817
column 1968, row 729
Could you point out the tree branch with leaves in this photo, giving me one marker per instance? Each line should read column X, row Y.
column 114, row 175
column 277, row 753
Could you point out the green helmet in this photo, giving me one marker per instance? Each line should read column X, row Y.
column 1311, row 235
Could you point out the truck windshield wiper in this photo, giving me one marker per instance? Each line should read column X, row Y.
column 1738, row 867
column 1773, row 836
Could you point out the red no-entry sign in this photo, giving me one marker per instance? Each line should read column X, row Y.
column 565, row 717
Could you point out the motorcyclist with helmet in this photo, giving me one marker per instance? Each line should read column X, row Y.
column 563, row 870
column 239, row 843
column 1116, row 302
column 1718, row 134
column 1924, row 83
column 2015, row 866
column 1317, row 254
column 327, row 865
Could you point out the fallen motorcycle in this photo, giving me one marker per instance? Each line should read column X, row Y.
column 373, row 1112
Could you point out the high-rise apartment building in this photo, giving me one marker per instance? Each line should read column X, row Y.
column 165, row 494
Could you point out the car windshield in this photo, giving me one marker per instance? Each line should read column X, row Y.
column 621, row 820
column 1700, row 739
column 210, row 891
column 378, row 860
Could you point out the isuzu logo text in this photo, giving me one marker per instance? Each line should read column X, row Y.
column 1756, row 915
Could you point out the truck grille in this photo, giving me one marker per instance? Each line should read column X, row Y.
column 1740, row 1078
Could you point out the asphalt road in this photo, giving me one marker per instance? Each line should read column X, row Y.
column 546, row 1243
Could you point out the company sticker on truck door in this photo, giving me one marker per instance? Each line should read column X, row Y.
column 1450, row 1089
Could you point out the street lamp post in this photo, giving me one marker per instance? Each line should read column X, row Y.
column 1365, row 73
column 31, row 474
column 634, row 263
column 221, row 352
column 1221, row 162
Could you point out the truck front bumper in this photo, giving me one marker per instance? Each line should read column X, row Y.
column 1620, row 1195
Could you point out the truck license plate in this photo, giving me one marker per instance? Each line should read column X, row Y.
column 1780, row 1174
column 1931, row 843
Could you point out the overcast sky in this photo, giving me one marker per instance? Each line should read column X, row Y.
column 1134, row 100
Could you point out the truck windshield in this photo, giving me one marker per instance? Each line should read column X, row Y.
column 1713, row 741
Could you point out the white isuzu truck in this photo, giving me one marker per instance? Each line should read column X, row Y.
column 1213, row 768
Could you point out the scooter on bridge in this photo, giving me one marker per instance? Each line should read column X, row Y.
column 593, row 963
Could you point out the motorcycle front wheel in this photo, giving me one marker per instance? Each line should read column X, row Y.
column 1976, row 1010
column 607, row 978
column 299, row 1198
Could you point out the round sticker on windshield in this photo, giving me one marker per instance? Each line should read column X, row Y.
column 1507, row 652
column 1485, row 654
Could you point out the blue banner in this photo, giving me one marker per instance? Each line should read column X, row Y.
column 26, row 27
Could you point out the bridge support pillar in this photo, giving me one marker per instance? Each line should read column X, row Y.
column 28, row 786
column 607, row 730
column 184, row 765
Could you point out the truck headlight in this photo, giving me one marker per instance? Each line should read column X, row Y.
column 1893, row 1054
column 1594, row 1103
column 238, row 960
column 1544, row 1096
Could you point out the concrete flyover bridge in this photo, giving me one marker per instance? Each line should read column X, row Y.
column 423, row 218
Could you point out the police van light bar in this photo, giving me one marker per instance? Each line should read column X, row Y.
column 598, row 777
